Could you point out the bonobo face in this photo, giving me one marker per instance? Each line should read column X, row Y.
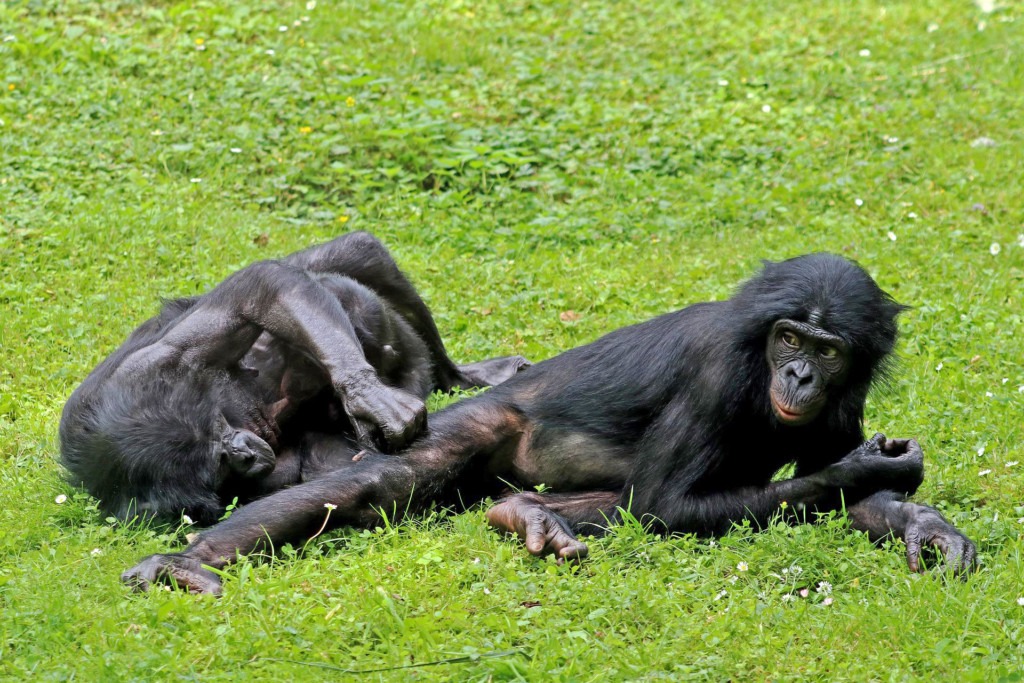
column 806, row 361
column 241, row 451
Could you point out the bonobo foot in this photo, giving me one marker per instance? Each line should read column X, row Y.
column 541, row 530
column 926, row 528
column 486, row 373
column 172, row 570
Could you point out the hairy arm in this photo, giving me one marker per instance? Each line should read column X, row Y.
column 671, row 481
column 288, row 303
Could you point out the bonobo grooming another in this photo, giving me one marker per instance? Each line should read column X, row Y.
column 683, row 420
column 187, row 414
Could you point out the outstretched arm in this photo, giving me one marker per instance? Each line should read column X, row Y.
column 682, row 500
column 888, row 515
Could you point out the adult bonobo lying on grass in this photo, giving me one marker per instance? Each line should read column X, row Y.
column 187, row 413
column 683, row 419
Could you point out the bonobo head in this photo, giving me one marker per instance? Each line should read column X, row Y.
column 827, row 331
column 161, row 448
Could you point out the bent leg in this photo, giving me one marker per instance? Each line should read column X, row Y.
column 362, row 257
column 355, row 494
column 546, row 522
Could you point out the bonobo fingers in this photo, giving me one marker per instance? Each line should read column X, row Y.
column 927, row 530
column 176, row 571
column 542, row 531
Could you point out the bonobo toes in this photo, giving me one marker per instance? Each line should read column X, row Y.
column 176, row 571
column 486, row 373
column 928, row 529
column 542, row 531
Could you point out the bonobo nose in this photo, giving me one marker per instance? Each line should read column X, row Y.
column 800, row 371
column 249, row 454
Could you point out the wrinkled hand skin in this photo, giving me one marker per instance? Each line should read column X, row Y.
column 896, row 464
column 172, row 570
column 542, row 532
column 385, row 418
column 926, row 528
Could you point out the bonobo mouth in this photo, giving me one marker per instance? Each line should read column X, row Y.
column 788, row 416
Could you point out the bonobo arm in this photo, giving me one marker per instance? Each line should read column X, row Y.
column 886, row 514
column 679, row 502
column 287, row 302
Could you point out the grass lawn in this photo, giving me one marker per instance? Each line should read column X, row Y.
column 545, row 172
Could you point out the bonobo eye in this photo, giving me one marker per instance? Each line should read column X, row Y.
column 829, row 352
column 791, row 339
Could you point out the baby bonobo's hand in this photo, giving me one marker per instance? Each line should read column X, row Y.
column 880, row 464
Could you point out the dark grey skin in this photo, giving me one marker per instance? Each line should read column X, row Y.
column 683, row 420
column 197, row 405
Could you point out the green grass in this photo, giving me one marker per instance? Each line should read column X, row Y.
column 522, row 159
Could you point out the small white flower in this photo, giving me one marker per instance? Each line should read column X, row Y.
column 722, row 82
column 95, row 551
column 9, row 39
column 825, row 588
column 994, row 248
column 891, row 139
column 297, row 23
column 804, row 592
column 269, row 52
column 1020, row 601
column 487, row 591
column 938, row 367
column 311, row 5
column 733, row 578
column 981, row 451
column 187, row 519
column 1020, row 389
column 305, row 19
column 282, row 28
column 982, row 25
column 932, row 28
column 1020, row 241
column 797, row 570
column 827, row 601
column 1012, row 463
column 743, row 566
column 235, row 150
column 61, row 499
column 330, row 506
column 766, row 108
column 156, row 133
column 858, row 201
column 787, row 597
column 195, row 180
column 476, row 560
column 865, row 53
column 721, row 594
column 988, row 394
column 984, row 473
column 1005, row 380
column 892, row 236
column 911, row 215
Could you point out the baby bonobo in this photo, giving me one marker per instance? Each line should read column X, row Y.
column 683, row 420
column 205, row 402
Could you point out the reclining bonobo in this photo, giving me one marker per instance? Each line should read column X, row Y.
column 209, row 400
column 683, row 420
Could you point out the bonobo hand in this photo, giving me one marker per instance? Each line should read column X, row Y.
column 879, row 464
column 172, row 570
column 927, row 528
column 373, row 406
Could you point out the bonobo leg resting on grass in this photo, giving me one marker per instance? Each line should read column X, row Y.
column 683, row 420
